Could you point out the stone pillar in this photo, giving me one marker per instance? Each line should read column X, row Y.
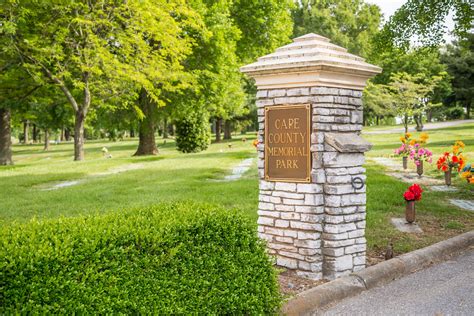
column 315, row 227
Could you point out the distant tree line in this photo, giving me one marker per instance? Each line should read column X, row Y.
column 76, row 70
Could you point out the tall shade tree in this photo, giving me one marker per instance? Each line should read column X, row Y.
column 349, row 23
column 96, row 47
column 459, row 59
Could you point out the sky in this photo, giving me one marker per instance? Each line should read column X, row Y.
column 389, row 7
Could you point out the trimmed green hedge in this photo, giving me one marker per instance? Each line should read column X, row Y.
column 174, row 258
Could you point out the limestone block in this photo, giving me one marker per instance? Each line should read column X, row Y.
column 342, row 263
column 284, row 208
column 334, row 252
column 287, row 240
column 318, row 175
column 306, row 226
column 341, row 100
column 308, row 188
column 282, row 223
column 297, row 92
column 266, row 206
column 353, row 199
column 341, row 189
column 331, row 236
column 308, row 251
column 287, row 262
column 266, row 185
column 268, row 213
column 304, row 235
column 268, row 221
column 308, row 243
column 274, row 231
column 340, row 210
column 285, row 186
column 357, row 233
column 324, row 99
column 294, row 255
column 290, row 233
column 355, row 101
column 357, row 117
column 347, row 143
column 361, row 240
column 359, row 260
column 333, row 159
column 290, row 215
column 289, row 195
column 292, row 100
column 276, row 93
column 293, row 202
column 360, row 224
column 313, row 199
column 261, row 94
column 355, row 248
column 334, row 219
column 338, row 243
column 354, row 217
column 264, row 102
column 309, row 209
column 338, row 179
column 312, row 218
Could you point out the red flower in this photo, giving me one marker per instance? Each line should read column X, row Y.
column 446, row 154
column 455, row 159
column 409, row 196
column 444, row 168
column 416, row 190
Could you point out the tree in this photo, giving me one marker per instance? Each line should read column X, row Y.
column 376, row 101
column 459, row 59
column 349, row 23
column 424, row 21
column 94, row 47
column 409, row 95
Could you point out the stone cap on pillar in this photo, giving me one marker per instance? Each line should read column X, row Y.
column 311, row 60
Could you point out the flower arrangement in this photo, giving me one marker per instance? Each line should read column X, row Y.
column 404, row 149
column 454, row 159
column 468, row 173
column 413, row 193
column 418, row 153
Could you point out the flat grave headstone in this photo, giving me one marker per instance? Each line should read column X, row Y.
column 443, row 188
column 388, row 162
column 414, row 178
column 467, row 205
column 402, row 225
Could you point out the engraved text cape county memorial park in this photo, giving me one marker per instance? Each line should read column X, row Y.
column 287, row 143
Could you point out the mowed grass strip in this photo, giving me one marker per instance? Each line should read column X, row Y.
column 172, row 176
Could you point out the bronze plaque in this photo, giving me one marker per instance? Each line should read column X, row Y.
column 287, row 143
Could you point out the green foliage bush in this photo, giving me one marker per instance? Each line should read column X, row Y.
column 454, row 113
column 167, row 259
column 193, row 133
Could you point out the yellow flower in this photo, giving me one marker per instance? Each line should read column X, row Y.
column 466, row 174
column 412, row 142
column 402, row 139
column 407, row 135
column 460, row 144
column 455, row 149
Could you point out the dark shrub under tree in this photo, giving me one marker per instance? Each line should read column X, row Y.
column 193, row 132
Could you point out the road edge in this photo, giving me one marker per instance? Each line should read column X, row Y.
column 379, row 274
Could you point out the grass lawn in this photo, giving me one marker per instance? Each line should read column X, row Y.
column 106, row 185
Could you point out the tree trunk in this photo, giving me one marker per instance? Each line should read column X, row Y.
column 171, row 129
column 146, row 134
column 67, row 134
column 26, row 127
column 377, row 120
column 5, row 138
column 35, row 133
column 79, row 135
column 61, row 138
column 227, row 130
column 132, row 133
column 405, row 123
column 419, row 122
column 218, row 129
column 468, row 111
column 165, row 128
column 46, row 140
column 429, row 115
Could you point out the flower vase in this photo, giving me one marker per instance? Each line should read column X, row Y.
column 405, row 163
column 447, row 176
column 410, row 212
column 419, row 168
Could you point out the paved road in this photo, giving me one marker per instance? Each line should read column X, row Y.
column 443, row 289
column 427, row 127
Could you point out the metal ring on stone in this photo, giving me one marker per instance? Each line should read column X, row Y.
column 357, row 183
